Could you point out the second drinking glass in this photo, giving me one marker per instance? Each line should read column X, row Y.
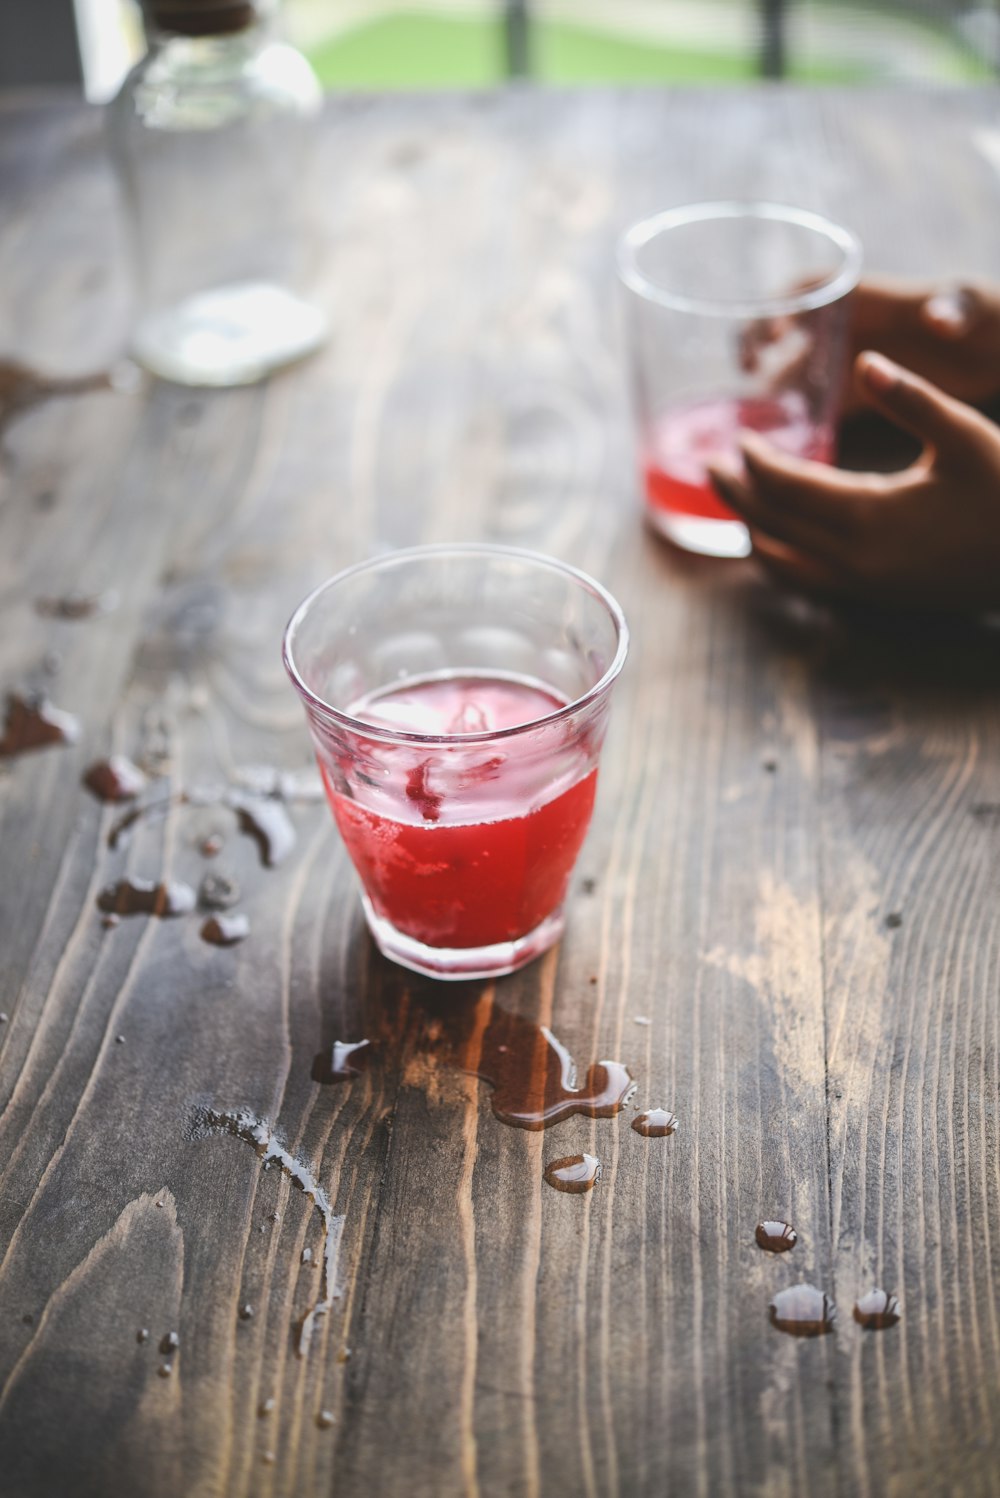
column 737, row 319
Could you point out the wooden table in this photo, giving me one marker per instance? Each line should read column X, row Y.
column 777, row 784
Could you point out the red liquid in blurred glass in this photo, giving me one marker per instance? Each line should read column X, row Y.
column 682, row 442
column 485, row 871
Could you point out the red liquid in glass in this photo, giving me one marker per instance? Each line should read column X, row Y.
column 480, row 870
column 682, row 443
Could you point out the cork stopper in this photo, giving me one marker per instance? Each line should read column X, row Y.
column 201, row 17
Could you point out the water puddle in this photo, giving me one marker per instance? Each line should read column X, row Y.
column 344, row 1060
column 143, row 897
column 267, row 822
column 532, row 1074
column 259, row 807
column 115, row 779
column 33, row 723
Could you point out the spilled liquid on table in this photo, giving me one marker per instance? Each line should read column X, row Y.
column 33, row 723
column 144, row 897
column 267, row 822
column 344, row 1060
column 533, row 1075
column 260, row 813
column 114, row 779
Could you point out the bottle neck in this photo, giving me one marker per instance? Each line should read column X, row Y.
column 207, row 19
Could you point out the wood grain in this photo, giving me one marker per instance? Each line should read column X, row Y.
column 776, row 783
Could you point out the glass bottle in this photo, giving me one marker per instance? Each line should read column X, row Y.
column 212, row 134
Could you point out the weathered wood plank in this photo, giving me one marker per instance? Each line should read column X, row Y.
column 768, row 784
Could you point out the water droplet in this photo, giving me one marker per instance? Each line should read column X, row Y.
column 217, row 892
column 268, row 1458
column 641, row 1019
column 110, row 921
column 3, row 1019
column 325, row 1419
column 344, row 1355
column 246, row 1312
column 656, row 1123
column 211, row 845
column 28, row 1319
column 153, row 810
column 345, row 1059
column 267, row 822
column 170, row 1343
column 574, row 1173
column 307, row 1254
column 142, row 1335
column 143, row 897
column 114, row 779
column 877, row 1311
column 776, row 1237
column 265, row 1408
column 165, row 1370
column 225, row 930
column 119, row 1040
column 803, row 1311
column 33, row 723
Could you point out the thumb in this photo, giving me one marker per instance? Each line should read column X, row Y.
column 918, row 406
column 953, row 312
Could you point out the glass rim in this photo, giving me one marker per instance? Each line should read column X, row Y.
column 830, row 289
column 326, row 710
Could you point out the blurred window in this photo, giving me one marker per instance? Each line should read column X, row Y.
column 440, row 44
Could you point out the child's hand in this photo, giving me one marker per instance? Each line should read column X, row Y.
column 928, row 536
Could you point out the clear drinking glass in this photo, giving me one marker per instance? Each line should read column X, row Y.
column 457, row 698
column 736, row 319
column 213, row 136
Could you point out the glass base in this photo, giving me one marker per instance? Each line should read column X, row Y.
column 709, row 538
column 232, row 335
column 462, row 963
